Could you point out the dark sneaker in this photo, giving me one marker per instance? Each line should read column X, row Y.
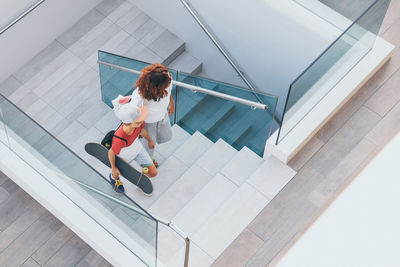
column 155, row 163
column 117, row 185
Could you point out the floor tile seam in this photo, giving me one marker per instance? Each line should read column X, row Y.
column 68, row 48
column 78, row 78
column 13, row 76
column 18, row 236
column 198, row 246
column 262, row 194
column 21, row 199
column 397, row 69
column 391, row 25
column 82, row 257
column 376, row 113
column 286, row 247
column 35, row 261
column 345, row 122
column 145, row 25
column 388, row 111
column 57, row 249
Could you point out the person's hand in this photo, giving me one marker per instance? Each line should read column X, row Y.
column 151, row 144
column 171, row 110
column 115, row 173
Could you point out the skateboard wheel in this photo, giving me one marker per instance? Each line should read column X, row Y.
column 145, row 170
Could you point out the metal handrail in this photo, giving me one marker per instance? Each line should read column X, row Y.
column 197, row 88
column 160, row 220
column 219, row 47
column 23, row 14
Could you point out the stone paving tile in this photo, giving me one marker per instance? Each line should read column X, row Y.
column 387, row 96
column 243, row 248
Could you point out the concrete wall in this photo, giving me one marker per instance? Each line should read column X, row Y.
column 273, row 41
column 36, row 30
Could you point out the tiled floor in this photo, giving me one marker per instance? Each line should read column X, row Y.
column 330, row 161
column 31, row 237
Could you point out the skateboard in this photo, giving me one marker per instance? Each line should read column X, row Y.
column 131, row 174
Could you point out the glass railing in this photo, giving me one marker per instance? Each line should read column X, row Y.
column 116, row 82
column 131, row 225
column 339, row 13
column 236, row 123
column 331, row 66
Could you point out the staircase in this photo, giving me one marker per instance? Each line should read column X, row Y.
column 207, row 188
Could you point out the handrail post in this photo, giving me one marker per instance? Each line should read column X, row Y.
column 187, row 241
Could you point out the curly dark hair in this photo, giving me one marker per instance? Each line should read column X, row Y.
column 153, row 82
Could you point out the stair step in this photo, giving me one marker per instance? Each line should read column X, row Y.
column 168, row 46
column 186, row 63
column 216, row 157
column 180, row 193
column 81, row 28
column 169, row 243
column 197, row 257
column 120, row 11
column 193, row 148
column 230, row 220
column 113, row 42
column 204, row 204
column 242, row 165
column 168, row 173
column 39, row 61
column 94, row 39
column 238, row 130
column 222, row 113
column 52, row 73
column 188, row 103
column 179, row 136
column 271, row 177
column 106, row 7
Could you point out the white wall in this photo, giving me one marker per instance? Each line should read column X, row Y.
column 273, row 41
column 36, row 30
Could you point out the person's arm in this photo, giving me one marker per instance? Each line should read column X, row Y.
column 114, row 169
column 146, row 135
column 171, row 107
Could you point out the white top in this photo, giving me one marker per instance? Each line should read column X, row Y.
column 157, row 109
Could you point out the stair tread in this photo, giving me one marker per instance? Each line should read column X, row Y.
column 193, row 148
column 168, row 173
column 240, row 128
column 180, row 193
column 271, row 177
column 179, row 136
column 242, row 165
column 186, row 63
column 168, row 46
column 215, row 158
column 219, row 116
column 204, row 204
column 221, row 229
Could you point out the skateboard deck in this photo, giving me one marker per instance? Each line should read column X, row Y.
column 131, row 174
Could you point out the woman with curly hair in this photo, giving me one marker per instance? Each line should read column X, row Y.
column 154, row 88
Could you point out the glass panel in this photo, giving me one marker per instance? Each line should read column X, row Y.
column 3, row 133
column 236, row 123
column 339, row 13
column 135, row 230
column 116, row 82
column 328, row 69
